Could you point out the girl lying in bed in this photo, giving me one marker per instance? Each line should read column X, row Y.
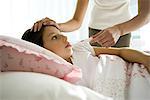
column 89, row 59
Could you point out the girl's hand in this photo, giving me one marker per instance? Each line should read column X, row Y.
column 46, row 21
column 107, row 37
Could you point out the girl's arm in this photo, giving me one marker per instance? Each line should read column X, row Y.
column 77, row 19
column 127, row 54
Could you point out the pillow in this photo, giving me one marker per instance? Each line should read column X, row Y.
column 36, row 86
column 20, row 55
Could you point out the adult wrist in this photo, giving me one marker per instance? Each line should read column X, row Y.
column 119, row 30
column 60, row 27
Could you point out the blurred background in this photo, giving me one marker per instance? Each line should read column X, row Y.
column 19, row 15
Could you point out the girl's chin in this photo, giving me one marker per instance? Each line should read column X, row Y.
column 71, row 52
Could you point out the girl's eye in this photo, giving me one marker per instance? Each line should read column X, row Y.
column 54, row 37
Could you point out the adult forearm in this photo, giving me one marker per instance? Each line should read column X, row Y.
column 77, row 19
column 138, row 21
column 69, row 26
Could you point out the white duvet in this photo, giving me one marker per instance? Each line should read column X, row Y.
column 121, row 80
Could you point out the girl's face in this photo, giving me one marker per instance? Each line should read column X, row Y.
column 56, row 42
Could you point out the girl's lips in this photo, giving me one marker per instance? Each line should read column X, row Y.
column 68, row 45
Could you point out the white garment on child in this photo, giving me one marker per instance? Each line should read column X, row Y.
column 110, row 75
column 84, row 57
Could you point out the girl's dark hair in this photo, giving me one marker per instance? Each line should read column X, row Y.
column 34, row 37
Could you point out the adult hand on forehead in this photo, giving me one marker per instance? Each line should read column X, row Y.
column 45, row 21
column 107, row 37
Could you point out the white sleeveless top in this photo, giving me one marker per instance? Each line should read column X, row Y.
column 107, row 13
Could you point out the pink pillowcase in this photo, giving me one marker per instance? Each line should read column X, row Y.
column 20, row 55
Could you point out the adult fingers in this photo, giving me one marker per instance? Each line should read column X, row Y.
column 48, row 23
column 108, row 44
column 104, row 39
column 98, row 37
column 97, row 34
column 37, row 26
column 52, row 23
column 107, row 41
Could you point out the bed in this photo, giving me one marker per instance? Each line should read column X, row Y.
column 122, row 81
